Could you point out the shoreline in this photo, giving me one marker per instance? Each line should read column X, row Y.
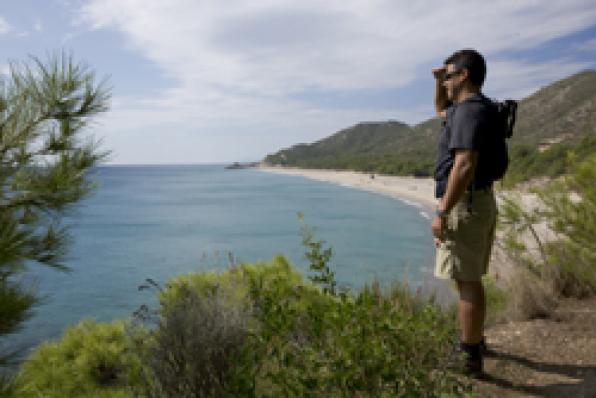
column 413, row 191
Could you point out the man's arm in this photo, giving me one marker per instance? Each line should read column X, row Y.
column 440, row 92
column 459, row 179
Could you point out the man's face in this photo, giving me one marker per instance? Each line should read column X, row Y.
column 453, row 81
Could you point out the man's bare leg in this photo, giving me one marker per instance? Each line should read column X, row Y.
column 471, row 311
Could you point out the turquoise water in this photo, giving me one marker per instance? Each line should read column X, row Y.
column 160, row 221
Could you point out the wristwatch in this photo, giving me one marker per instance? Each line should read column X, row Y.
column 441, row 213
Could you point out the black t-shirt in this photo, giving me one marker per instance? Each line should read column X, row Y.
column 467, row 127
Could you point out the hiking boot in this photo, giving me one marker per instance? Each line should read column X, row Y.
column 473, row 363
column 466, row 359
column 473, row 367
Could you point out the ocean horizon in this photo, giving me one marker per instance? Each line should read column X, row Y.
column 159, row 221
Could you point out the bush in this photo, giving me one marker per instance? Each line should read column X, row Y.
column 289, row 337
column 571, row 213
column 259, row 330
column 529, row 296
column 552, row 245
column 528, row 162
column 318, row 342
column 91, row 360
column 256, row 330
column 193, row 348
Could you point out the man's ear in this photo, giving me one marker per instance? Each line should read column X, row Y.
column 465, row 72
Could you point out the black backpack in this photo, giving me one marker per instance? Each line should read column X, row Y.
column 503, row 120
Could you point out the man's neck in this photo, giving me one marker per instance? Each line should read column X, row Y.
column 465, row 94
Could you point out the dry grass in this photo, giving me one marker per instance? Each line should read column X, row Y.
column 529, row 296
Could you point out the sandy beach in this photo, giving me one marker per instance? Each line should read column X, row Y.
column 415, row 191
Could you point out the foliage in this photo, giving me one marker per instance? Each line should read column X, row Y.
column 318, row 259
column 301, row 338
column 192, row 349
column 91, row 360
column 529, row 296
column 528, row 162
column 564, row 109
column 496, row 299
column 259, row 330
column 529, row 289
column 387, row 147
column 321, row 343
column 44, row 161
column 520, row 227
column 552, row 244
column 571, row 213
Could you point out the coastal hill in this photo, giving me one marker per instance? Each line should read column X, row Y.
column 561, row 113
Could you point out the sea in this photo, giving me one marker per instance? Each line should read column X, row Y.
column 157, row 222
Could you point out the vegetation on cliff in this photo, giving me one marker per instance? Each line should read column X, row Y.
column 258, row 330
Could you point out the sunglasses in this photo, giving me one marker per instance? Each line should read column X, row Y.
column 449, row 75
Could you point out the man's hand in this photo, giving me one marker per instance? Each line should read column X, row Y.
column 439, row 73
column 438, row 227
column 440, row 91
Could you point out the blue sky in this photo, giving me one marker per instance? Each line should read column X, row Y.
column 219, row 81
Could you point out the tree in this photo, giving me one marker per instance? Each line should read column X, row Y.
column 44, row 165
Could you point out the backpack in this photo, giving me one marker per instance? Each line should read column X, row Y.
column 503, row 120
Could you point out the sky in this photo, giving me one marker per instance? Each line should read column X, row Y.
column 198, row 81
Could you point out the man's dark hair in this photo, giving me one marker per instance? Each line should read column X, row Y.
column 472, row 61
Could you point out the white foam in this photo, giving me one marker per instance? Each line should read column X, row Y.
column 425, row 215
column 410, row 203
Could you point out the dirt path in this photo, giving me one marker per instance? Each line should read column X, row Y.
column 553, row 357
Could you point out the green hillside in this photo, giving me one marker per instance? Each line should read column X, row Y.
column 558, row 117
column 563, row 110
column 388, row 147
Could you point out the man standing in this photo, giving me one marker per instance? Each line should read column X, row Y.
column 464, row 225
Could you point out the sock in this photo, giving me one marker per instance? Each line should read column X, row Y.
column 472, row 350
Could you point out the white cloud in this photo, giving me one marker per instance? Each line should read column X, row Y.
column 587, row 46
column 4, row 26
column 274, row 48
column 38, row 25
column 236, row 64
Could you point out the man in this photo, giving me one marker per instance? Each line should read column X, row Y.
column 464, row 224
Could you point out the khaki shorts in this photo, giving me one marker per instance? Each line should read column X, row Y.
column 465, row 253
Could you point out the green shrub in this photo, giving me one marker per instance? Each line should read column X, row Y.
column 319, row 342
column 564, row 264
column 306, row 339
column 259, row 330
column 527, row 162
column 235, row 281
column 256, row 330
column 571, row 213
column 91, row 360
column 195, row 343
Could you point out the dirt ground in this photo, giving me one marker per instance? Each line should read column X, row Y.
column 554, row 357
